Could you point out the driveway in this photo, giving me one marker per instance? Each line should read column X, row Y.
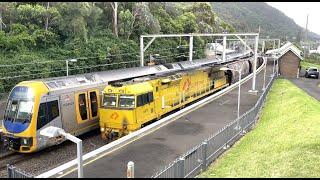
column 309, row 85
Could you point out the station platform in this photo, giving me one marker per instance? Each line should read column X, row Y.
column 155, row 150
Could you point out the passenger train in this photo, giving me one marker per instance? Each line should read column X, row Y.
column 72, row 102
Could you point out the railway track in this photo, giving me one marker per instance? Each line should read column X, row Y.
column 42, row 161
column 11, row 158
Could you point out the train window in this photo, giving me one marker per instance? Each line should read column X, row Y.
column 150, row 96
column 60, row 83
column 47, row 112
column 42, row 116
column 109, row 100
column 53, row 110
column 94, row 104
column 139, row 101
column 145, row 99
column 126, row 101
column 52, row 85
column 83, row 107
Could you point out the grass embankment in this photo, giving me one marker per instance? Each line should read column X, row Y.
column 306, row 65
column 285, row 143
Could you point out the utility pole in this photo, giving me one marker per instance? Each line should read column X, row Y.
column 306, row 37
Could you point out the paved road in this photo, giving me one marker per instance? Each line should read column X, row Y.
column 309, row 85
column 156, row 150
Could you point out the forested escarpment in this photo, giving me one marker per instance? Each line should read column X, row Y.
column 36, row 38
column 100, row 35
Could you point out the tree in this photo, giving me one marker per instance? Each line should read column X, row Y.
column 145, row 22
column 3, row 7
column 114, row 6
column 126, row 21
column 73, row 24
column 93, row 19
column 187, row 22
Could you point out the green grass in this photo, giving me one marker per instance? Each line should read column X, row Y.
column 285, row 143
column 306, row 65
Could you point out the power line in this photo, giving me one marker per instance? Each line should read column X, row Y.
column 103, row 65
column 84, row 66
column 79, row 58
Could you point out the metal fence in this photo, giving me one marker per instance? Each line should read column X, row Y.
column 14, row 172
column 198, row 158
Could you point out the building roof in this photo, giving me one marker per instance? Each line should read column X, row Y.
column 284, row 49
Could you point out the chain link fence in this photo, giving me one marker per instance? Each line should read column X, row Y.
column 198, row 158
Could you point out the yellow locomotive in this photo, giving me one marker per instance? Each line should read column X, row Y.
column 128, row 106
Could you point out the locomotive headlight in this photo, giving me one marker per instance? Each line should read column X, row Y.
column 26, row 141
column 102, row 129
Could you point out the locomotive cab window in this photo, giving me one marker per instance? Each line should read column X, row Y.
column 109, row 100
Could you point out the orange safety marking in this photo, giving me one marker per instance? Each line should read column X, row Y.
column 114, row 116
column 186, row 85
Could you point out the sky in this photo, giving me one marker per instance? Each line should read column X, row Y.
column 298, row 12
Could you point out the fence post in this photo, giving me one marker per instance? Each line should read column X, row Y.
column 9, row 170
column 226, row 138
column 130, row 169
column 204, row 154
column 181, row 167
column 13, row 171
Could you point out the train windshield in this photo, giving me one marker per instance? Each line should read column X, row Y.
column 109, row 100
column 126, row 101
column 20, row 105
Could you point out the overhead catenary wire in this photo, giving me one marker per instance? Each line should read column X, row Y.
column 78, row 58
column 78, row 68
column 63, row 60
column 101, row 65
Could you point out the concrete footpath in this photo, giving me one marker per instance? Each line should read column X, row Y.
column 152, row 152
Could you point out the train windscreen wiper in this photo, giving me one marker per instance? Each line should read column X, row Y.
column 27, row 119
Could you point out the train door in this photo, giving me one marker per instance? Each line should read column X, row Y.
column 82, row 107
column 93, row 104
column 87, row 104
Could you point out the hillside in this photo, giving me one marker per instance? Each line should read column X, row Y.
column 248, row 16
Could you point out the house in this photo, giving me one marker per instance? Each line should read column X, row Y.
column 289, row 57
